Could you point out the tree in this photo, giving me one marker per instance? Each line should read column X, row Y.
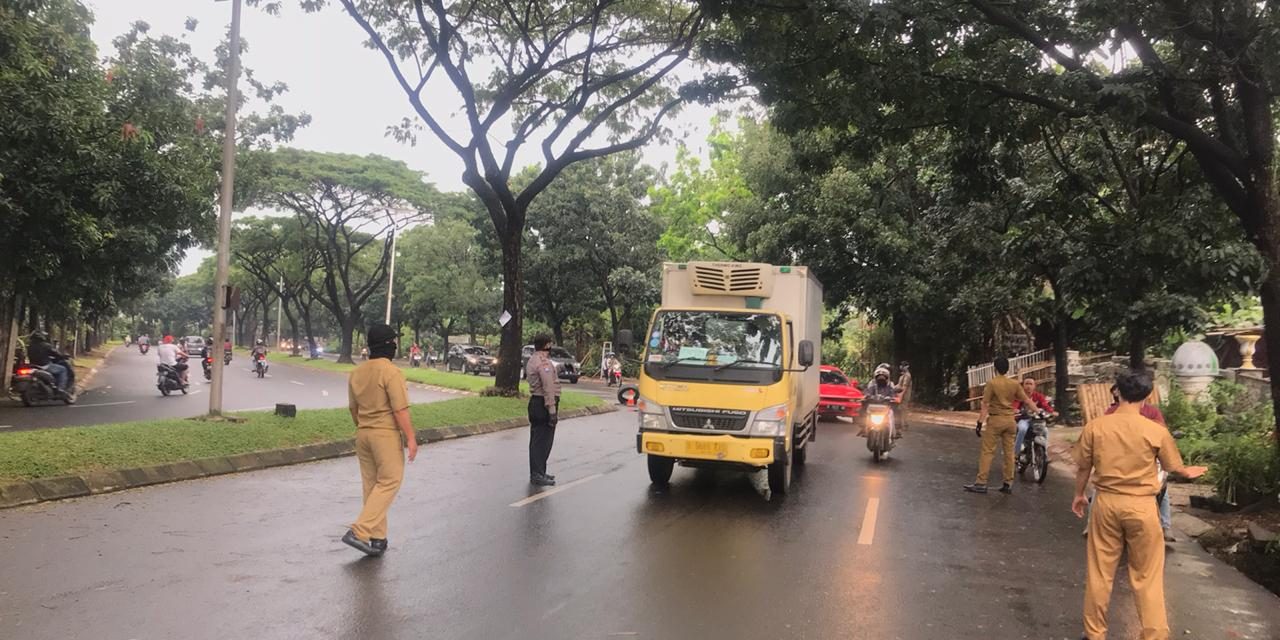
column 595, row 212
column 273, row 252
column 579, row 80
column 446, row 287
column 1202, row 73
column 347, row 206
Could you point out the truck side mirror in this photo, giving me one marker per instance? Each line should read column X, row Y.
column 805, row 357
column 624, row 338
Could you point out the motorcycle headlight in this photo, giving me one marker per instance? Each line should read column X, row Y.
column 494, row 361
column 877, row 419
column 653, row 416
column 771, row 421
column 471, row 359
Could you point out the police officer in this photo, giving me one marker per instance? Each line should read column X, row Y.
column 544, row 403
column 379, row 402
column 1120, row 452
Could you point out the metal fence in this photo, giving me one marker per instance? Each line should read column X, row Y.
column 980, row 375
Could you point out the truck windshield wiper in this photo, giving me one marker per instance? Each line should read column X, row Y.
column 668, row 365
column 738, row 362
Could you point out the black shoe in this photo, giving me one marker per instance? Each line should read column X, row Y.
column 549, row 477
column 360, row 545
column 541, row 480
column 378, row 543
column 1006, row 489
column 975, row 488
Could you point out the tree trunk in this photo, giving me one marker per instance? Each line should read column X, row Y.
column 507, row 379
column 900, row 338
column 293, row 329
column 1060, row 375
column 305, row 312
column 1137, row 347
column 266, row 318
column 1268, row 241
column 348, row 329
column 557, row 329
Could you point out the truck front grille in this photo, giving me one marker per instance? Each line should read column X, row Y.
column 709, row 419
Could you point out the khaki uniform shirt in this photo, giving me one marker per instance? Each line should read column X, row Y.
column 376, row 390
column 1000, row 394
column 1123, row 448
column 540, row 371
column 904, row 384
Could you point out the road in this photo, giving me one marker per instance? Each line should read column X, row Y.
column 125, row 389
column 856, row 551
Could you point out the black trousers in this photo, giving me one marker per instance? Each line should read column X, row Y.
column 541, row 434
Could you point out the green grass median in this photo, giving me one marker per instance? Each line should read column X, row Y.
column 27, row 455
column 422, row 375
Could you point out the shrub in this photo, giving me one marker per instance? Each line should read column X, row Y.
column 1232, row 433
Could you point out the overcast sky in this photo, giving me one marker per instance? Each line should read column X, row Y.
column 348, row 89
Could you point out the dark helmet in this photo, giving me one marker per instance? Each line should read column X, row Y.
column 39, row 336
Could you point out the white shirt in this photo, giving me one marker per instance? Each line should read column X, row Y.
column 168, row 354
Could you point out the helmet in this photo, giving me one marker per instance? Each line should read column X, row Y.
column 39, row 336
column 882, row 370
column 168, row 340
column 261, row 343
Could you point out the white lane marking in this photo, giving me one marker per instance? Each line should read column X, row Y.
column 551, row 492
column 300, row 384
column 324, row 393
column 196, row 392
column 868, row 532
column 6, row 426
column 103, row 404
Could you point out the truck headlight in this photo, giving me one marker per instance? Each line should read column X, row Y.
column 653, row 416
column 771, row 422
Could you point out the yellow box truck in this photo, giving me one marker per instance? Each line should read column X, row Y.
column 729, row 374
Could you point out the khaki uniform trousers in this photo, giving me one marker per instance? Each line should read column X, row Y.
column 381, row 456
column 1117, row 522
column 999, row 430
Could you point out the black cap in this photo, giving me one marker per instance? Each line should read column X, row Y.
column 381, row 334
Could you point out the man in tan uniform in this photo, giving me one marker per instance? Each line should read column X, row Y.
column 1120, row 452
column 544, row 404
column 1000, row 427
column 379, row 403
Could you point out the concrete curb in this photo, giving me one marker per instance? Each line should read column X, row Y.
column 108, row 480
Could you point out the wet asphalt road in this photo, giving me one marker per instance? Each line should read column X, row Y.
column 256, row 555
column 124, row 389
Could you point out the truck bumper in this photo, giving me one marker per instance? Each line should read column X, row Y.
column 754, row 452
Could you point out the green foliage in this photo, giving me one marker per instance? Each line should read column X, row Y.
column 1233, row 433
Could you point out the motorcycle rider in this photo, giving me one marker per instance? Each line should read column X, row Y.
column 171, row 354
column 614, row 366
column 1024, row 410
column 415, row 354
column 881, row 387
column 42, row 354
column 260, row 351
column 144, row 343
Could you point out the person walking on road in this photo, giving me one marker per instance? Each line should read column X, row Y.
column 997, row 416
column 544, row 404
column 379, row 403
column 1120, row 452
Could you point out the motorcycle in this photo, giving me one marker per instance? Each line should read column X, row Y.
column 615, row 374
column 169, row 379
column 226, row 357
column 1035, row 447
column 207, row 362
column 260, row 364
column 415, row 359
column 35, row 385
column 880, row 416
column 143, row 348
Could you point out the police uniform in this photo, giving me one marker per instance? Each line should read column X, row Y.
column 1122, row 450
column 544, row 402
column 376, row 390
column 999, row 396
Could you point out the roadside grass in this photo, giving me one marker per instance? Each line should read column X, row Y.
column 26, row 455
column 422, row 375
column 86, row 361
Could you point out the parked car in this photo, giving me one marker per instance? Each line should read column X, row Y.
column 838, row 395
column 567, row 368
column 471, row 359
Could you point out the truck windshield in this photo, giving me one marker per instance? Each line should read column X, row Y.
column 699, row 345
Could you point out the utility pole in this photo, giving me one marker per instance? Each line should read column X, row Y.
column 391, row 275
column 279, row 309
column 224, row 216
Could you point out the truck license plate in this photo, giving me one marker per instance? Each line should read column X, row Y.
column 706, row 448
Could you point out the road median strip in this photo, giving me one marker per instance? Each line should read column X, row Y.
column 39, row 466
column 424, row 377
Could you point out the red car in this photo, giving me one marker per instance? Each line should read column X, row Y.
column 838, row 395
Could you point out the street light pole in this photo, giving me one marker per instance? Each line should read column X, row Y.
column 224, row 216
column 279, row 310
column 391, row 275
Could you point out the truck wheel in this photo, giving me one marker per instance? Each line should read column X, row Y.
column 780, row 477
column 660, row 468
column 800, row 454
